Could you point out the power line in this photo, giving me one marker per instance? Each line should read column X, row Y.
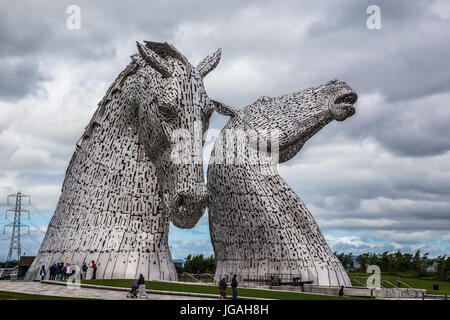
column 36, row 227
column 37, row 242
column 39, row 213
column 30, row 251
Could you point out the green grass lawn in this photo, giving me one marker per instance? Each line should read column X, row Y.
column 6, row 295
column 444, row 287
column 242, row 292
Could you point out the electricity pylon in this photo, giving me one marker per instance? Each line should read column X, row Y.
column 14, row 244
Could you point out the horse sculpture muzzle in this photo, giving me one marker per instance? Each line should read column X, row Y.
column 187, row 204
column 342, row 106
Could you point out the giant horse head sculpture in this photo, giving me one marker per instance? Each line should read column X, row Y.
column 137, row 166
column 258, row 224
column 172, row 106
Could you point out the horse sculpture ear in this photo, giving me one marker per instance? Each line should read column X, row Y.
column 223, row 109
column 154, row 60
column 209, row 63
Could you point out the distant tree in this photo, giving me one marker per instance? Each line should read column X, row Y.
column 416, row 265
column 10, row 264
column 363, row 261
column 347, row 260
column 373, row 259
column 199, row 264
column 385, row 261
column 447, row 266
column 420, row 264
column 442, row 264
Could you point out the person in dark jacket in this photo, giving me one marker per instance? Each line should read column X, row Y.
column 234, row 285
column 56, row 270
column 43, row 273
column 52, row 271
column 223, row 288
column 341, row 292
column 84, row 270
column 140, row 280
column 59, row 273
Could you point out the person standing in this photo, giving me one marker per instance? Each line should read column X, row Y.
column 43, row 273
column 234, row 285
column 398, row 282
column 341, row 293
column 94, row 268
column 68, row 271
column 84, row 269
column 63, row 272
column 59, row 271
column 223, row 288
column 52, row 271
column 141, row 286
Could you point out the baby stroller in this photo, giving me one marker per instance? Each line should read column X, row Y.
column 133, row 291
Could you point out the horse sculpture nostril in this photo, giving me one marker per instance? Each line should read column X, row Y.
column 180, row 201
column 347, row 98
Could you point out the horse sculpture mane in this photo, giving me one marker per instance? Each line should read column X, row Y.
column 162, row 49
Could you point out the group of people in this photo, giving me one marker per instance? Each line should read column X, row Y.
column 61, row 271
column 223, row 287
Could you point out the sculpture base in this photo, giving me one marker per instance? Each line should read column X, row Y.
column 263, row 273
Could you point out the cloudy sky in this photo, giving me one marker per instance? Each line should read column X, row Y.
column 377, row 181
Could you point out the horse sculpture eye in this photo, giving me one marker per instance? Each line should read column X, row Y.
column 167, row 112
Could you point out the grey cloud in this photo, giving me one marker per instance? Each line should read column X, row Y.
column 415, row 127
column 404, row 59
column 327, row 39
column 390, row 241
column 19, row 78
column 403, row 237
column 366, row 244
column 349, row 185
column 383, row 223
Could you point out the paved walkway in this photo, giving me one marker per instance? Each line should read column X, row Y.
column 63, row 291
